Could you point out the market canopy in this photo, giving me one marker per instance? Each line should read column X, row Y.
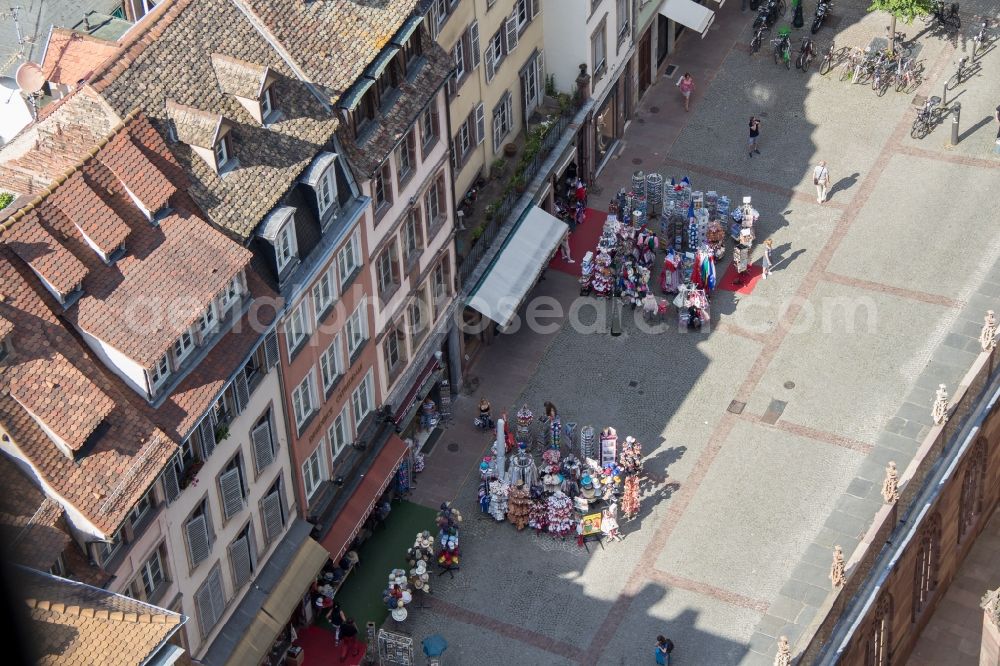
column 689, row 14
column 517, row 265
column 363, row 499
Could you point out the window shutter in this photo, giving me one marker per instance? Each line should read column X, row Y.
column 540, row 70
column 512, row 32
column 433, row 25
column 171, row 484
column 242, row 391
column 490, row 63
column 480, row 123
column 263, row 446
column 533, row 9
column 232, row 493
column 198, row 542
column 239, row 556
column 474, row 43
column 210, row 601
column 274, row 521
column 452, row 87
column 271, row 349
column 207, row 431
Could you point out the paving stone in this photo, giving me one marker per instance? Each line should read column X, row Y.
column 785, row 608
column 770, row 625
column 846, row 523
column 898, row 442
column 808, row 573
column 859, row 487
column 811, row 595
column 855, row 506
column 914, row 412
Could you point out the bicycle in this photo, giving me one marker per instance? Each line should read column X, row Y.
column 864, row 68
column 758, row 39
column 782, row 50
column 927, row 118
column 898, row 43
column 851, row 62
column 908, row 75
column 959, row 76
column 947, row 16
column 830, row 59
column 880, row 77
column 806, row 54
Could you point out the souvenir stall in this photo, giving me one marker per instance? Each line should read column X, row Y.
column 411, row 465
column 554, row 492
column 742, row 232
column 692, row 306
column 448, row 553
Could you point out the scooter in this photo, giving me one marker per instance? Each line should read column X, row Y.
column 484, row 422
column 822, row 9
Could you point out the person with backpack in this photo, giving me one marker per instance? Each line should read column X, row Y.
column 664, row 646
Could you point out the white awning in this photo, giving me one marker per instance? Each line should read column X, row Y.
column 689, row 14
column 517, row 265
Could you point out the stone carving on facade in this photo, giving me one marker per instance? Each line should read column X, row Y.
column 784, row 655
column 837, row 569
column 988, row 336
column 940, row 409
column 890, row 487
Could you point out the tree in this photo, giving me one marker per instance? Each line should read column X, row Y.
column 905, row 10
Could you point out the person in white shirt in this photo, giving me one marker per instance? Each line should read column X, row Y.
column 821, row 179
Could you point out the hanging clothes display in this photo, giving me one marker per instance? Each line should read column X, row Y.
column 630, row 497
column 498, row 500
column 518, row 505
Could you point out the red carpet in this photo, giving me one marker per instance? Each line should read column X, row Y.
column 753, row 275
column 581, row 241
column 319, row 649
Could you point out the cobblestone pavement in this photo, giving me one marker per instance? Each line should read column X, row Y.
column 878, row 296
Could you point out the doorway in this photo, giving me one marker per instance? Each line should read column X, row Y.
column 645, row 62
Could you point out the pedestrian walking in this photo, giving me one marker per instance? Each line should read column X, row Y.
column 765, row 261
column 821, row 179
column 754, row 133
column 567, row 254
column 664, row 646
column 686, row 84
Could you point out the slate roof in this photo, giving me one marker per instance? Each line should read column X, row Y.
column 334, row 40
column 73, row 624
column 168, row 56
column 71, row 56
column 194, row 126
column 239, row 77
column 413, row 98
column 31, row 529
column 120, row 464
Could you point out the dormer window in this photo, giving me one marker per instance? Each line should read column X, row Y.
column 160, row 371
column 284, row 246
column 206, row 133
column 249, row 83
column 207, row 321
column 266, row 103
column 231, row 294
column 222, row 152
column 183, row 346
column 321, row 176
column 278, row 229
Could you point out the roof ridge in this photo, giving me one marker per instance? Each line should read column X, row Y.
column 59, row 180
column 134, row 44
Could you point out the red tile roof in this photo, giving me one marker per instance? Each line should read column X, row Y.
column 31, row 527
column 85, row 209
column 58, row 395
column 71, row 56
column 49, row 258
column 133, row 168
column 105, row 482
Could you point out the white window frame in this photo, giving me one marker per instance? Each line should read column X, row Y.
column 599, row 64
column 313, row 471
column 266, row 103
column 413, row 233
column 339, row 432
column 362, row 398
column 326, row 189
column 407, row 148
column 435, row 198
column 183, row 346
column 285, row 246
column 480, row 116
column 160, row 371
column 623, row 19
column 464, row 139
column 459, row 55
column 231, row 294
column 387, row 271
column 502, row 121
column 304, row 400
column 428, row 128
column 324, row 292
column 221, row 152
column 352, row 250
column 208, row 321
column 296, row 328
column 521, row 7
column 356, row 329
column 146, row 504
column 331, row 363
column 146, row 569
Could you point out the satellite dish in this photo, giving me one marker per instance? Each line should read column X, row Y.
column 30, row 78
